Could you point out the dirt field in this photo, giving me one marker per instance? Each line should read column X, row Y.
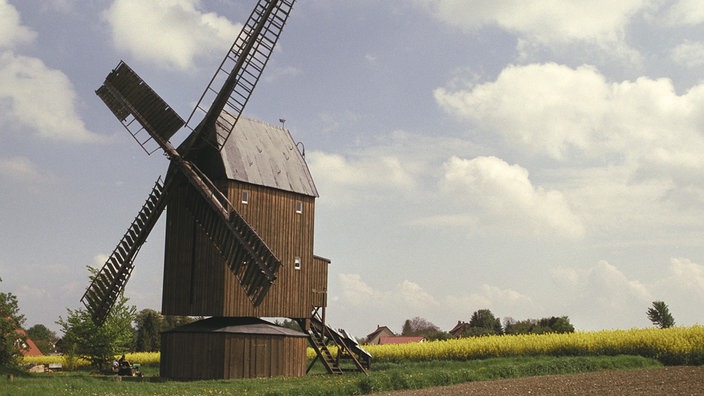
column 679, row 380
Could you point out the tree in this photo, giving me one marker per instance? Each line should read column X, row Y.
column 172, row 321
column 418, row 327
column 44, row 338
column 552, row 324
column 512, row 326
column 660, row 315
column 483, row 322
column 99, row 344
column 11, row 342
column 289, row 324
column 147, row 334
column 555, row 324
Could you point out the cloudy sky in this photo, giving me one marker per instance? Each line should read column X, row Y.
column 532, row 158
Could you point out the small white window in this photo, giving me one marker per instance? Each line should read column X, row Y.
column 299, row 207
column 245, row 197
column 297, row 263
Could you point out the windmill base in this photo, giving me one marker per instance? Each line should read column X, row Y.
column 228, row 348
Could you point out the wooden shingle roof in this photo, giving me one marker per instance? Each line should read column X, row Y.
column 266, row 155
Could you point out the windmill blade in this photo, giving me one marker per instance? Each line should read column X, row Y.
column 109, row 282
column 238, row 74
column 245, row 253
column 139, row 108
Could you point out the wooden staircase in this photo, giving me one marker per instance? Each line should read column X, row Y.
column 320, row 336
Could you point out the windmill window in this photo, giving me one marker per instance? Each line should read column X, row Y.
column 297, row 263
column 245, row 197
column 299, row 207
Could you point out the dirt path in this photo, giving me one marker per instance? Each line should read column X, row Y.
column 679, row 380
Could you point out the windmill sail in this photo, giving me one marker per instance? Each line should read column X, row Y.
column 229, row 90
column 109, row 282
column 139, row 108
column 245, row 253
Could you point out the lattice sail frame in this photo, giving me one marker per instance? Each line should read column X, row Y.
column 145, row 115
column 248, row 56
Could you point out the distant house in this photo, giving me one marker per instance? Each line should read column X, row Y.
column 28, row 348
column 400, row 340
column 384, row 335
column 375, row 336
column 459, row 328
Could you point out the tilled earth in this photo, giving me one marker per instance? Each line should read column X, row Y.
column 678, row 380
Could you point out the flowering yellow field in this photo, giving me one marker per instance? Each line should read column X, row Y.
column 676, row 345
column 144, row 358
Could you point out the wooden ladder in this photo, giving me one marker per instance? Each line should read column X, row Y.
column 321, row 335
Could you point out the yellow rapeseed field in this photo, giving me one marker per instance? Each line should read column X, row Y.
column 676, row 345
column 144, row 358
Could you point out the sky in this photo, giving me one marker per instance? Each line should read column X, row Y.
column 531, row 158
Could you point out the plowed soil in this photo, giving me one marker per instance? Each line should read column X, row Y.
column 679, row 380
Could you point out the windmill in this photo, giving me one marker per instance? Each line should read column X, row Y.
column 224, row 252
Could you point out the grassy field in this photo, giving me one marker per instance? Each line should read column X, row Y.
column 385, row 376
column 409, row 365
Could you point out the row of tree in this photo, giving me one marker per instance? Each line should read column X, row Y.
column 483, row 322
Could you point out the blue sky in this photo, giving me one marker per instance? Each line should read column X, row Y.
column 535, row 159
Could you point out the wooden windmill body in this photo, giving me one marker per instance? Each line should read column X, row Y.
column 265, row 177
column 239, row 227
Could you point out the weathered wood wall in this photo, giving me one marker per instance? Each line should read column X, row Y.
column 319, row 282
column 190, row 356
column 197, row 282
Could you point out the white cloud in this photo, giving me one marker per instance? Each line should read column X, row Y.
column 498, row 300
column 408, row 299
column 501, row 196
column 99, row 260
column 275, row 74
column 12, row 32
column 685, row 12
column 686, row 276
column 689, row 54
column 605, row 297
column 26, row 294
column 43, row 99
column 543, row 21
column 19, row 168
column 570, row 114
column 601, row 295
column 165, row 33
column 407, row 294
column 365, row 171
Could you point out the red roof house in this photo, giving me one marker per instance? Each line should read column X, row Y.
column 401, row 340
column 459, row 328
column 381, row 331
column 29, row 348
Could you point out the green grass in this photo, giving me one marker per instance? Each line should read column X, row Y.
column 383, row 377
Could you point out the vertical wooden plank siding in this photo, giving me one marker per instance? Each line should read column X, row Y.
column 272, row 213
column 192, row 267
column 319, row 281
column 197, row 282
column 229, row 356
